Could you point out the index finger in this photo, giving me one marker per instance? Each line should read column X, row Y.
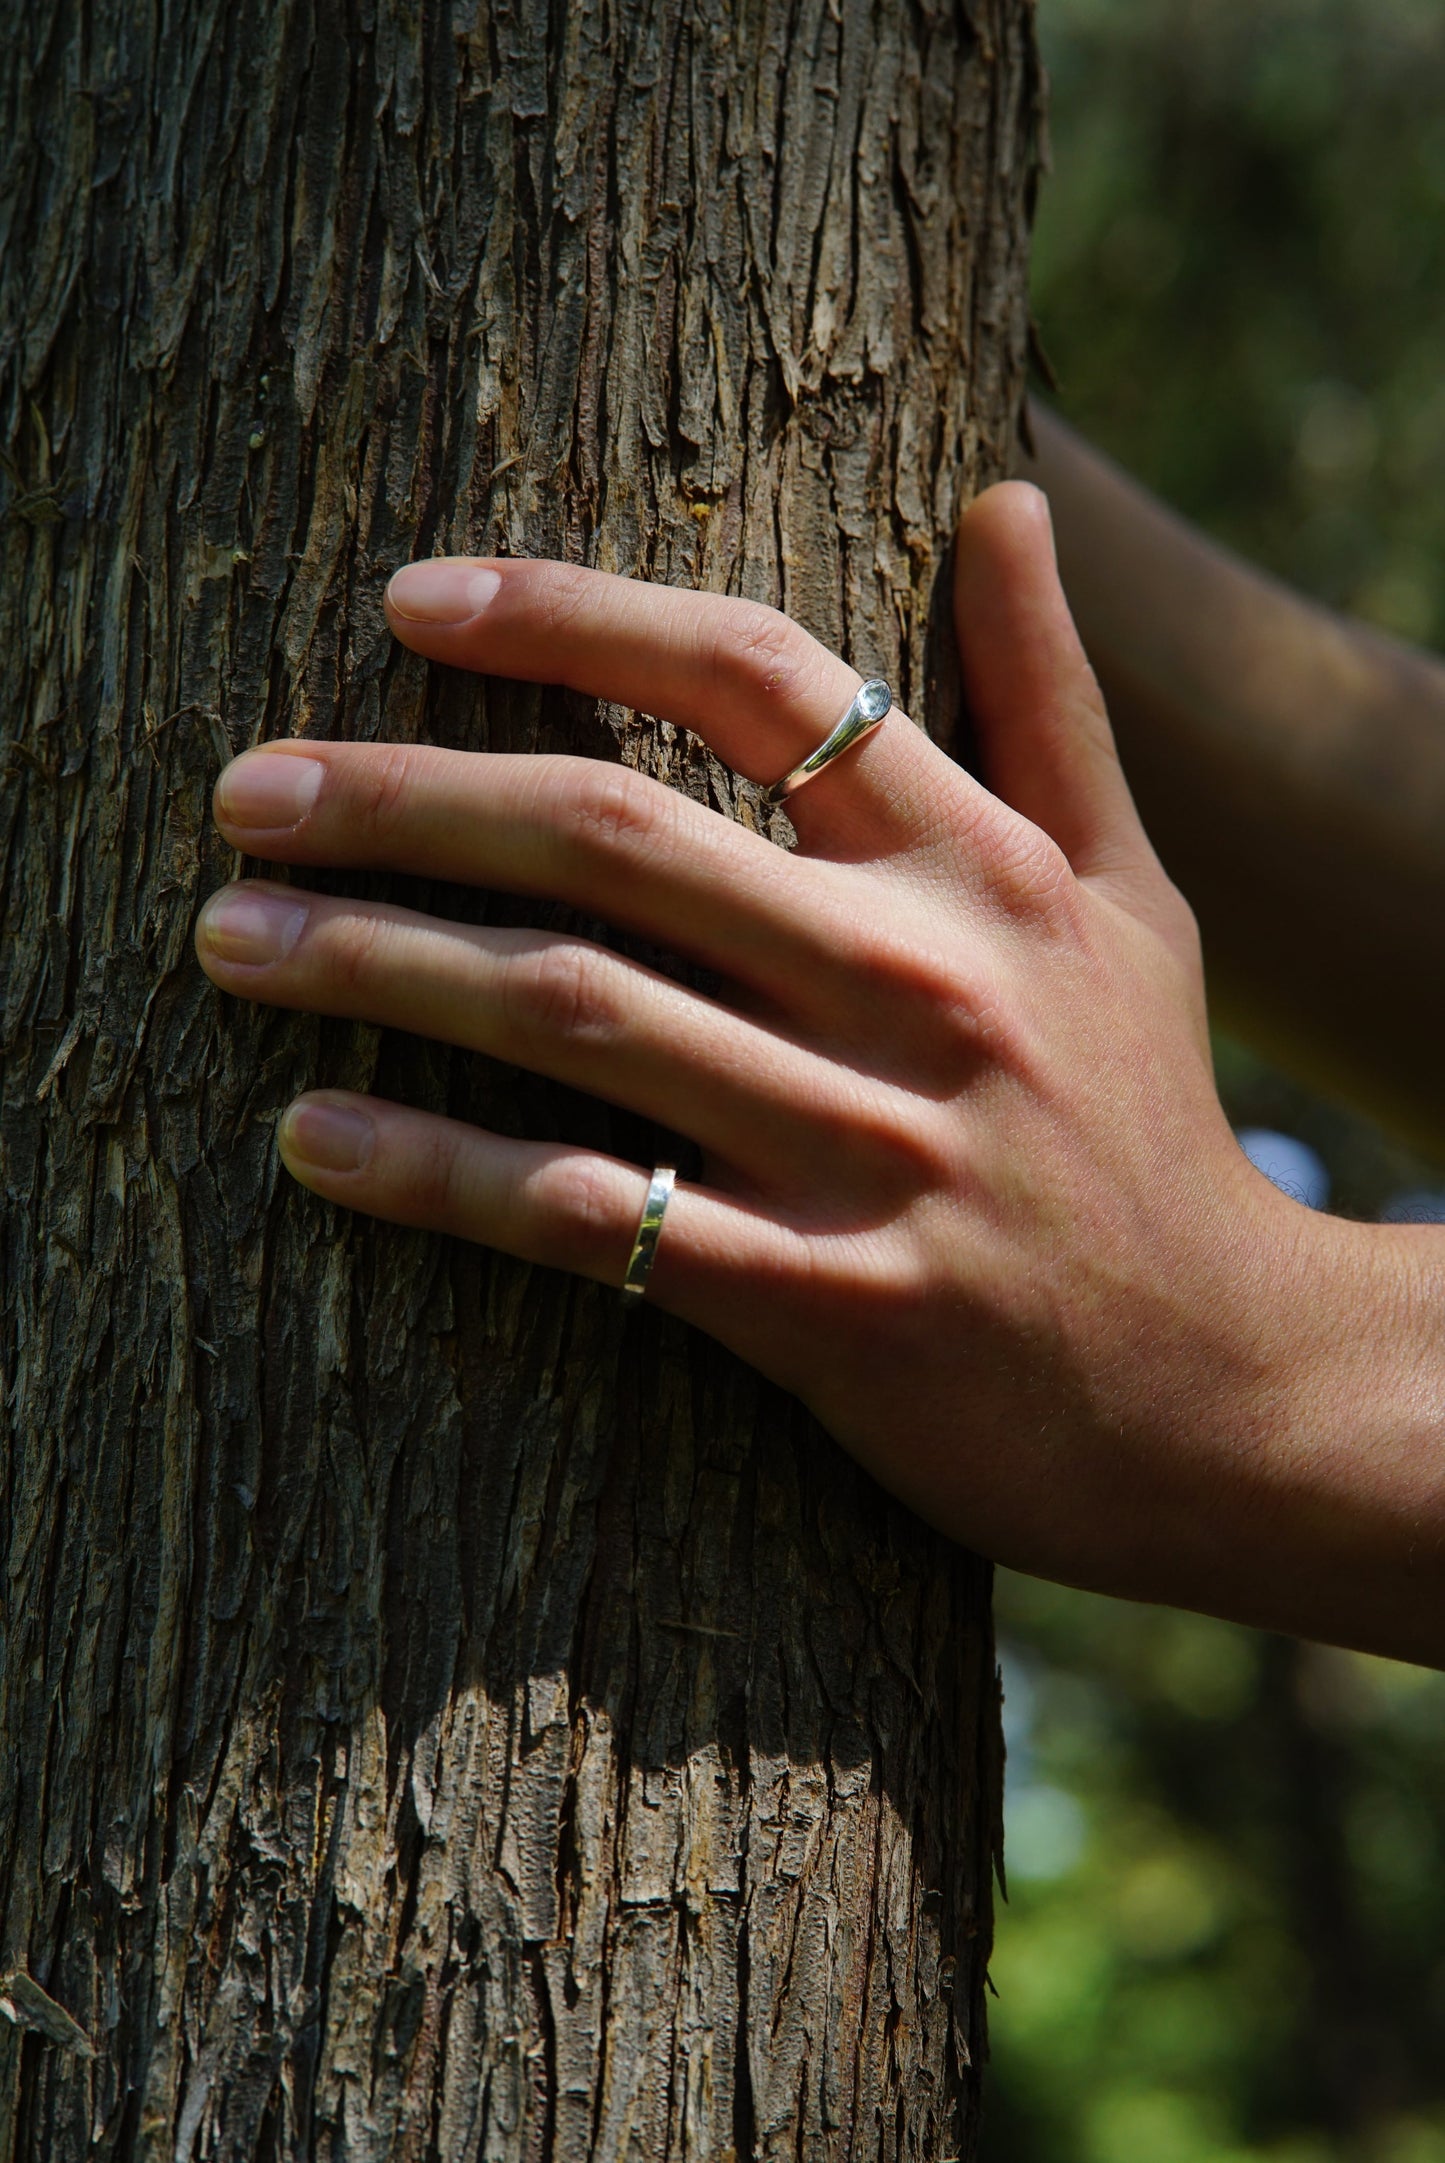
column 745, row 678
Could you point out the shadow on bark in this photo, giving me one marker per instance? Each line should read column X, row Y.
column 437, row 1715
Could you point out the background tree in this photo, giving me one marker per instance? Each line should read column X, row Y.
column 438, row 1716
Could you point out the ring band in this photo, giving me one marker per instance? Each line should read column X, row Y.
column 869, row 709
column 649, row 1231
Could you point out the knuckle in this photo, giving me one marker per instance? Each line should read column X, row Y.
column 762, row 650
column 560, row 594
column 579, row 1219
column 432, row 1176
column 943, row 999
column 883, row 960
column 897, row 1143
column 1021, row 868
column 1181, row 927
column 1034, row 877
column 564, row 990
column 614, row 812
column 383, row 790
column 350, row 951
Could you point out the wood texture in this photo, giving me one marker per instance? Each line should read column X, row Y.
column 439, row 1716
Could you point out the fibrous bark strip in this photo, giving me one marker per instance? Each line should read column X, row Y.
column 439, row 1716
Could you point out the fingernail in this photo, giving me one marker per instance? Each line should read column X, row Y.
column 252, row 923
column 442, row 592
column 333, row 1137
column 269, row 788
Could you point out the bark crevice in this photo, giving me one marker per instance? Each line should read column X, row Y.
column 440, row 1716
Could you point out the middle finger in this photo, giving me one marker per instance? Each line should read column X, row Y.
column 557, row 1005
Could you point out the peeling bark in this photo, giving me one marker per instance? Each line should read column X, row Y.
column 440, row 1716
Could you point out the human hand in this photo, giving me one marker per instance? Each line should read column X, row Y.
column 968, row 1190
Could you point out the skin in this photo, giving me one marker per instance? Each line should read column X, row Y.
column 1290, row 768
column 968, row 1189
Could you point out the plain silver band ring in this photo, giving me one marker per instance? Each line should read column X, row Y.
column 869, row 709
column 649, row 1231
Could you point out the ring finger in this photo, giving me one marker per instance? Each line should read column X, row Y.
column 557, row 1005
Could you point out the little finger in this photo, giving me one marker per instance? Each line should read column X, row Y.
column 544, row 1202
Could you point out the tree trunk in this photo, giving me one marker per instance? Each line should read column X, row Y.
column 439, row 1715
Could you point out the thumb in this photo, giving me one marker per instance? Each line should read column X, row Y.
column 1047, row 746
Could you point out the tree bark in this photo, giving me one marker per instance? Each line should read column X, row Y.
column 440, row 1716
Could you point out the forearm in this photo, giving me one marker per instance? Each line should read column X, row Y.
column 1290, row 768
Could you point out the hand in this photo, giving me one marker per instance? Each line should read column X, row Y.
column 968, row 1189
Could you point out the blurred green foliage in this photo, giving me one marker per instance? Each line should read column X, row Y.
column 1240, row 275
column 1225, row 1936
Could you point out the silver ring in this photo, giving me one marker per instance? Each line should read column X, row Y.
column 649, row 1231
column 872, row 702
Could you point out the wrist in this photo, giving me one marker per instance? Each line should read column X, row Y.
column 1335, row 1519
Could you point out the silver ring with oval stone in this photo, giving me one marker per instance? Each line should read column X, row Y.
column 870, row 708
